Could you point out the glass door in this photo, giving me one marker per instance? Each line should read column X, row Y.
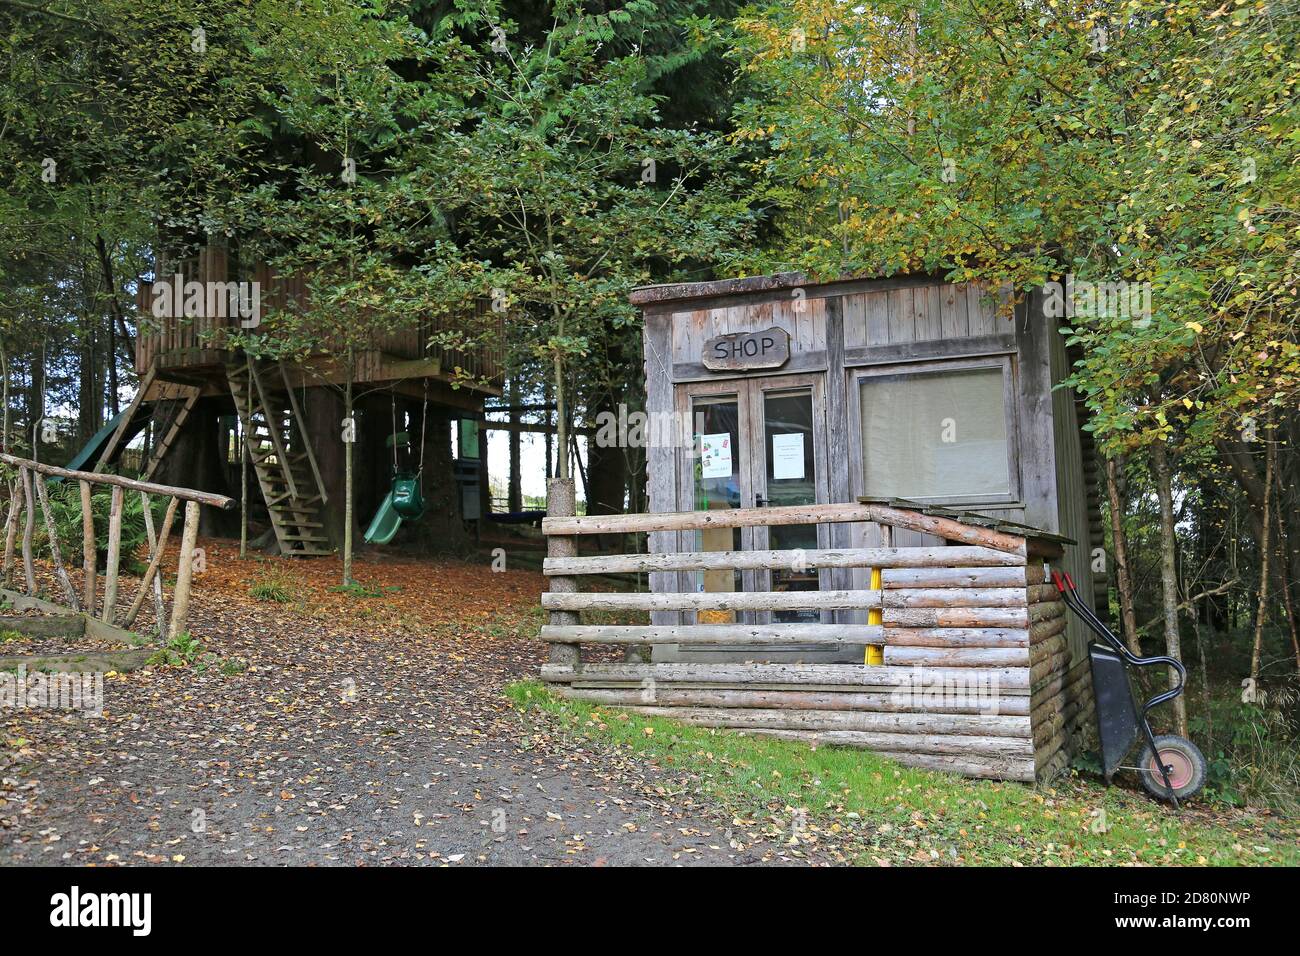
column 788, row 429
column 717, row 477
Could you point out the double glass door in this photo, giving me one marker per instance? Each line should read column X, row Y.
column 759, row 442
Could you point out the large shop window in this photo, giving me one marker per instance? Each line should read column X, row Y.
column 937, row 434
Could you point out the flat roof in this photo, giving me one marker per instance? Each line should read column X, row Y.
column 673, row 291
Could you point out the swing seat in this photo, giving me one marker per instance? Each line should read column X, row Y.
column 406, row 497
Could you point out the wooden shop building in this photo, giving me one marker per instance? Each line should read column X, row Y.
column 849, row 547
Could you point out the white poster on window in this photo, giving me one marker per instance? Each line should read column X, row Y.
column 715, row 455
column 787, row 456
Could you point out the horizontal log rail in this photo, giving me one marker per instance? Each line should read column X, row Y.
column 1008, row 680
column 720, row 634
column 941, row 559
column 29, row 493
column 130, row 484
column 713, row 601
column 947, row 528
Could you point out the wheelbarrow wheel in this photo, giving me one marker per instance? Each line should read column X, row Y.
column 1184, row 762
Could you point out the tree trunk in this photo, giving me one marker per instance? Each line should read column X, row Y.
column 1265, row 550
column 1123, row 578
column 4, row 390
column 561, row 421
column 1169, row 571
column 349, row 423
column 514, row 492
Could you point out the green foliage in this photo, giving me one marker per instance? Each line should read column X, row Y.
column 358, row 589
column 182, row 650
column 65, row 505
column 1253, row 748
column 1011, row 148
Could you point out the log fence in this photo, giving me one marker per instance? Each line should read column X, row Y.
column 29, row 493
column 971, row 615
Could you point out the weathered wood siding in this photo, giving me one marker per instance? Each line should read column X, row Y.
column 1072, row 495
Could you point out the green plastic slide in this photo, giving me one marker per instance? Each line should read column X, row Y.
column 86, row 458
column 385, row 523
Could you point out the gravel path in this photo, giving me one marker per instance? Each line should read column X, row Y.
column 344, row 730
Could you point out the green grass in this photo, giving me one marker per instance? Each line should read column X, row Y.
column 358, row 589
column 899, row 815
column 270, row 591
column 8, row 636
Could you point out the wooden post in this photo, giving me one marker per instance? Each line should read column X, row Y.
column 56, row 554
column 151, row 573
column 561, row 503
column 89, row 558
column 153, row 547
column 11, row 532
column 184, row 571
column 114, row 555
column 29, row 526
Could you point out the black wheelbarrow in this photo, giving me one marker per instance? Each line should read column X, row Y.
column 1170, row 767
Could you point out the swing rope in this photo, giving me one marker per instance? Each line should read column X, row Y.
column 392, row 404
column 424, row 424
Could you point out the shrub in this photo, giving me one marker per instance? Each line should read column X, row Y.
column 65, row 506
column 1253, row 749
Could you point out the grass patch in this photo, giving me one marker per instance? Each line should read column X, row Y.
column 359, row 589
column 916, row 816
column 10, row 635
column 272, row 585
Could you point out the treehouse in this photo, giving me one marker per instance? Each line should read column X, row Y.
column 849, row 546
column 202, row 403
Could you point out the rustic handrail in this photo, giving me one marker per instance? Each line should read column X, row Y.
column 947, row 528
column 34, row 492
column 96, row 478
column 985, row 583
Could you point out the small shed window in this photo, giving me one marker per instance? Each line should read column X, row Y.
column 936, row 434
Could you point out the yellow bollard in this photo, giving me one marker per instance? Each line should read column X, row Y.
column 875, row 652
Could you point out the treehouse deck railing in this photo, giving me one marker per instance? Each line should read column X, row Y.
column 29, row 494
column 974, row 673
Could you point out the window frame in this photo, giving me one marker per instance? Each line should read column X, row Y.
column 1004, row 362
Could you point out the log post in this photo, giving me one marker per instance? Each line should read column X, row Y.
column 114, row 555
column 151, row 573
column 153, row 546
column 89, row 558
column 184, row 571
column 561, row 502
column 29, row 526
column 56, row 554
column 11, row 532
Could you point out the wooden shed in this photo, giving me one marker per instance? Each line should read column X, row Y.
column 850, row 521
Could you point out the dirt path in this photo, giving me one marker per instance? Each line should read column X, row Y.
column 360, row 730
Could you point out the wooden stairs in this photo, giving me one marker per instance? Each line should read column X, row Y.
column 281, row 455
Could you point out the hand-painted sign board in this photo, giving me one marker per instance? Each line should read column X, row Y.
column 742, row 351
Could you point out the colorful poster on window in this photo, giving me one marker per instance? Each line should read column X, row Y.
column 715, row 455
column 787, row 456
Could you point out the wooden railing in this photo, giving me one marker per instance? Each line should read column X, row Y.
column 918, row 584
column 30, row 491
